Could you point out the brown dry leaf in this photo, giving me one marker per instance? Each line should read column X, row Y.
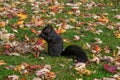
column 39, row 23
column 22, row 16
column 54, row 8
column 103, row 19
column 2, row 24
column 2, row 62
column 51, row 75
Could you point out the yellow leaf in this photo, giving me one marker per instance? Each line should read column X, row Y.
column 70, row 12
column 22, row 16
column 20, row 22
column 60, row 30
column 73, row 20
column 18, row 68
column 117, row 35
column 2, row 62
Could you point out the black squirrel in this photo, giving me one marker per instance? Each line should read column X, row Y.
column 55, row 45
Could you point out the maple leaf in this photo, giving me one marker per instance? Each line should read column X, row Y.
column 112, row 69
column 22, row 16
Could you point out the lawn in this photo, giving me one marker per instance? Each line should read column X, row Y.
column 91, row 24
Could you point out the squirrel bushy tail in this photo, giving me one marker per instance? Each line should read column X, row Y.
column 75, row 51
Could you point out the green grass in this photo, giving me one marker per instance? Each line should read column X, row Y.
column 63, row 73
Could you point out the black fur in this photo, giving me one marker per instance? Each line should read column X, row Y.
column 55, row 45
column 55, row 42
column 77, row 52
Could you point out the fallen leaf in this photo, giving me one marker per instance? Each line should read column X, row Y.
column 96, row 48
column 13, row 77
column 36, row 79
column 51, row 75
column 2, row 24
column 96, row 60
column 22, row 16
column 70, row 13
column 117, row 35
column 39, row 23
column 33, row 31
column 54, row 8
column 40, row 42
column 117, row 16
column 103, row 19
column 112, row 69
column 20, row 22
column 60, row 30
column 76, row 37
column 2, row 62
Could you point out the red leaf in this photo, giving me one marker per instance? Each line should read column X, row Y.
column 97, row 48
column 7, row 46
column 39, row 42
column 112, row 69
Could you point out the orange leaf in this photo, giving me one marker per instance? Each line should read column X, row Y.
column 2, row 62
column 97, row 48
column 103, row 19
column 54, row 8
column 7, row 46
column 2, row 24
column 60, row 30
column 40, row 42
column 20, row 22
column 34, row 31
